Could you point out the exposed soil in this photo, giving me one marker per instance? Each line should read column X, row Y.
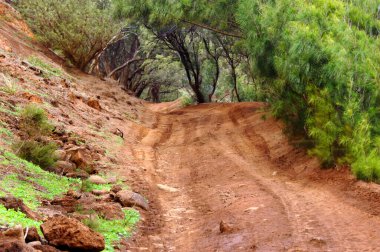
column 224, row 162
column 218, row 176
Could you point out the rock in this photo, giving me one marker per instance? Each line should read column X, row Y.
column 116, row 188
column 64, row 167
column 107, row 210
column 32, row 235
column 167, row 188
column 68, row 203
column 46, row 248
column 128, row 199
column 12, row 240
column 71, row 234
column 32, row 98
column 74, row 194
column 93, row 103
column 224, row 227
column 97, row 180
column 17, row 204
column 99, row 192
column 34, row 243
column 78, row 174
column 112, row 180
column 81, row 157
column 60, row 154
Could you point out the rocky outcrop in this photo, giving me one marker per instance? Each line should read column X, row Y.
column 68, row 233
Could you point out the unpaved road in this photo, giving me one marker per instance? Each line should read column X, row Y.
column 225, row 162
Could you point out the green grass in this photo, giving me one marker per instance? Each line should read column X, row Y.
column 115, row 230
column 37, row 185
column 87, row 186
column 48, row 70
column 11, row 110
column 12, row 218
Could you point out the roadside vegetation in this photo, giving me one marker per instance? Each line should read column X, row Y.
column 315, row 62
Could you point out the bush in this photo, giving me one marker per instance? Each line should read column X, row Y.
column 34, row 121
column 37, row 153
column 34, row 125
column 79, row 29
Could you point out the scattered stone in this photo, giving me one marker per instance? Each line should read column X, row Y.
column 32, row 235
column 128, row 199
column 69, row 203
column 97, row 180
column 78, row 174
column 60, row 154
column 116, row 188
column 74, row 194
column 81, row 157
column 12, row 240
column 112, row 180
column 93, row 103
column 32, row 98
column 18, row 205
column 64, row 167
column 224, row 227
column 99, row 192
column 46, row 248
column 108, row 210
column 34, row 243
column 61, row 231
column 167, row 188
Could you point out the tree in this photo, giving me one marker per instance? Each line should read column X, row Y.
column 77, row 29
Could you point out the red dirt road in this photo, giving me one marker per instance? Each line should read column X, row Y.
column 224, row 162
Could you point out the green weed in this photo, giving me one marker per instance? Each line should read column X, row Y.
column 37, row 184
column 12, row 218
column 114, row 230
column 34, row 121
column 38, row 153
column 47, row 69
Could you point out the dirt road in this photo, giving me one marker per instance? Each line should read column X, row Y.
column 226, row 163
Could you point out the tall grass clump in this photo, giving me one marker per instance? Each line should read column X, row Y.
column 35, row 127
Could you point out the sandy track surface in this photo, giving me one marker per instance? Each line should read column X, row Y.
column 216, row 163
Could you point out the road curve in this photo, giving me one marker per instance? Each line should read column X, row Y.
column 230, row 163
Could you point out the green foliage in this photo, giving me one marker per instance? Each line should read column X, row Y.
column 186, row 99
column 114, row 230
column 47, row 69
column 79, row 29
column 35, row 124
column 34, row 121
column 323, row 59
column 12, row 218
column 40, row 154
column 38, row 184
column 87, row 186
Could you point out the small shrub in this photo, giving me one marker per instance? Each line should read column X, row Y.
column 186, row 99
column 37, row 153
column 34, row 121
column 9, row 86
column 93, row 222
